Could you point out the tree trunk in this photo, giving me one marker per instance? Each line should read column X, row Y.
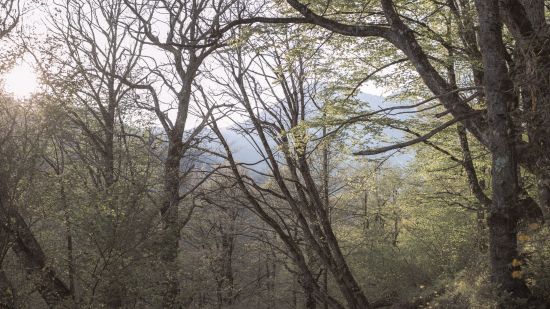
column 169, row 213
column 502, row 219
column 30, row 253
column 335, row 259
column 225, row 273
column 475, row 187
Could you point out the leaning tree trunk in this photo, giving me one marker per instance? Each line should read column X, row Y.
column 502, row 219
column 30, row 253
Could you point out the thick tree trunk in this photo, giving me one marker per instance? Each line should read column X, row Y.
column 173, row 180
column 503, row 218
column 294, row 293
column 169, row 212
column 224, row 278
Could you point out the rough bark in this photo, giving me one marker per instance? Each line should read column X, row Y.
column 169, row 213
column 502, row 219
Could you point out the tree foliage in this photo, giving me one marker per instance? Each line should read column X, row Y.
column 225, row 154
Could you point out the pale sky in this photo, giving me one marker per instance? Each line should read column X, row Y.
column 21, row 80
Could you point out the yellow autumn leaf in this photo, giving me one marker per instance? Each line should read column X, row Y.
column 516, row 274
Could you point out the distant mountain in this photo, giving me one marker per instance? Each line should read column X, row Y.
column 373, row 100
column 242, row 148
column 246, row 153
column 403, row 157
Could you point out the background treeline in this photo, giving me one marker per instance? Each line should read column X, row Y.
column 220, row 154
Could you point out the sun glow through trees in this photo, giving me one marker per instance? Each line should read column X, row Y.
column 21, row 81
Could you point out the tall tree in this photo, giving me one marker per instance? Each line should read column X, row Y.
column 86, row 90
column 496, row 127
column 277, row 90
column 183, row 34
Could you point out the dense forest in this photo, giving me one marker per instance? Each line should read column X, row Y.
column 275, row 154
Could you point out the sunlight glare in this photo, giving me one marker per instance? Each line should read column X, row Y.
column 21, row 81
